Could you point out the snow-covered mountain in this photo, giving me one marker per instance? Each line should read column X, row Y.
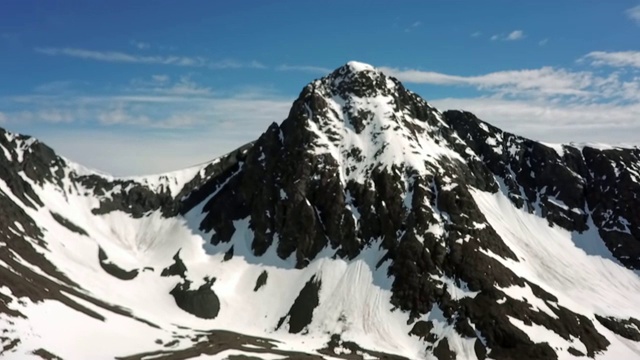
column 366, row 225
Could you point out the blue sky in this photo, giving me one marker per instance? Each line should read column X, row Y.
column 138, row 87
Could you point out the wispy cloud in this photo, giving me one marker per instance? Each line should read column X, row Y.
column 140, row 44
column 10, row 38
column 304, row 68
column 133, row 153
column 162, row 84
column 156, row 132
column 115, row 56
column 515, row 35
column 615, row 59
column 182, row 121
column 512, row 36
column 578, row 122
column 58, row 86
column 156, row 102
column 546, row 83
column 551, row 104
column 476, row 34
column 193, row 121
column 183, row 61
column 543, row 42
column 122, row 57
column 413, row 26
column 234, row 64
column 120, row 115
column 546, row 80
column 160, row 78
column 634, row 13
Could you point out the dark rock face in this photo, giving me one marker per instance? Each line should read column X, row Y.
column 177, row 268
column 202, row 302
column 138, row 199
column 44, row 354
column 575, row 352
column 261, row 281
column 301, row 312
column 422, row 329
column 38, row 162
column 627, row 328
column 268, row 189
column 228, row 255
column 442, row 351
column 536, row 177
column 113, row 269
column 355, row 351
column 127, row 196
column 195, row 191
column 614, row 197
column 68, row 224
column 567, row 188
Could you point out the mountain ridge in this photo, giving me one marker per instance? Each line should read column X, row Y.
column 377, row 215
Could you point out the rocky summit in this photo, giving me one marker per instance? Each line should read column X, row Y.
column 366, row 225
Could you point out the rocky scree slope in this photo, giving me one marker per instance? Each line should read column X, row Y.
column 458, row 224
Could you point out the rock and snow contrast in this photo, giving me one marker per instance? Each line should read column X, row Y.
column 367, row 225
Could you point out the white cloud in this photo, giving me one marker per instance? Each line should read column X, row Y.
column 233, row 64
column 121, row 57
column 57, row 116
column 515, row 35
column 187, row 87
column 542, row 83
column 121, row 115
column 634, row 13
column 125, row 153
column 56, row 86
column 413, row 26
column 172, row 110
column 545, row 80
column 160, row 78
column 203, row 128
column 163, row 122
column 304, row 68
column 161, row 84
column 556, row 122
column 543, row 42
column 512, row 36
column 476, row 34
column 140, row 44
column 114, row 56
column 159, row 123
column 140, row 135
column 615, row 59
column 548, row 104
column 154, row 132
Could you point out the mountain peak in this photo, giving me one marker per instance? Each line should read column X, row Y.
column 369, row 218
column 356, row 67
column 357, row 79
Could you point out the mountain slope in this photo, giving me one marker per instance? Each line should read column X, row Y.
column 367, row 222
